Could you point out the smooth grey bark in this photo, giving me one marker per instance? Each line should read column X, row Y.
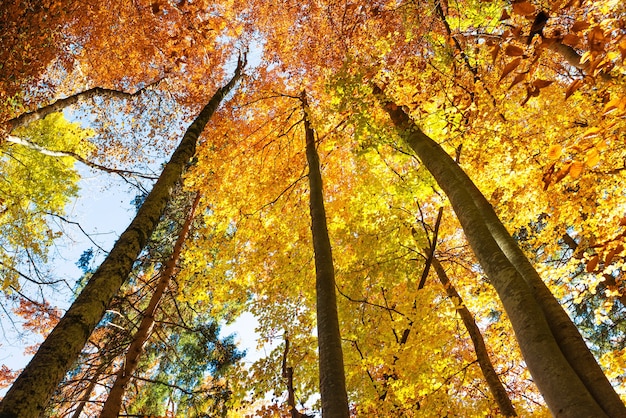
column 32, row 390
column 565, row 332
column 332, row 378
column 561, row 386
column 113, row 404
column 486, row 366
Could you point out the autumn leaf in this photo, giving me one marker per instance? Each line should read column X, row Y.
column 518, row 79
column 570, row 39
column 593, row 157
column 510, row 67
column 575, row 169
column 523, row 8
column 555, row 151
column 579, row 25
column 575, row 85
column 513, row 51
column 540, row 84
column 592, row 264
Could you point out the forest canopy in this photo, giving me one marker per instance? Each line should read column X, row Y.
column 421, row 203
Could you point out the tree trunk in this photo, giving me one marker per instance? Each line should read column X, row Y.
column 493, row 381
column 567, row 336
column 332, row 378
column 562, row 388
column 565, row 332
column 113, row 403
column 30, row 393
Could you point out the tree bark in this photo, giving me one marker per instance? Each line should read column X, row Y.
column 332, row 378
column 491, row 377
column 30, row 393
column 113, row 403
column 561, row 386
column 60, row 104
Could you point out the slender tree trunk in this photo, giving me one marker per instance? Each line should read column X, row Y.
column 493, row 381
column 60, row 104
column 32, row 390
column 113, row 403
column 562, row 388
column 87, row 394
column 332, row 378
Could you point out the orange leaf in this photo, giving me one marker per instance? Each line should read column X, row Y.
column 596, row 40
column 523, row 8
column 494, row 52
column 510, row 67
column 573, row 87
column 542, row 83
column 609, row 256
column 513, row 51
column 570, row 39
column 554, row 152
column 591, row 132
column 612, row 105
column 562, row 173
column 579, row 25
column 593, row 157
column 592, row 264
column 576, row 169
column 504, row 15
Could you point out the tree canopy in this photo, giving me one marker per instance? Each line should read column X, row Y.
column 471, row 160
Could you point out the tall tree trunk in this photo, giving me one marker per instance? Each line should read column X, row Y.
column 491, row 377
column 113, row 403
column 332, row 377
column 565, row 332
column 567, row 336
column 561, row 386
column 32, row 390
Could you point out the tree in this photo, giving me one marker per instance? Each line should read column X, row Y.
column 62, row 346
column 35, row 188
column 332, row 380
column 528, row 99
column 591, row 395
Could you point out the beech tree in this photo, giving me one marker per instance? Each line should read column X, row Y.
column 32, row 389
column 510, row 113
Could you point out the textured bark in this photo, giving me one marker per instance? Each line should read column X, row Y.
column 113, row 403
column 562, row 388
column 332, row 377
column 30, row 393
column 491, row 377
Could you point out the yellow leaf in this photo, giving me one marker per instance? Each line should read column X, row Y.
column 591, row 132
column 593, row 157
column 555, row 151
column 576, row 169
